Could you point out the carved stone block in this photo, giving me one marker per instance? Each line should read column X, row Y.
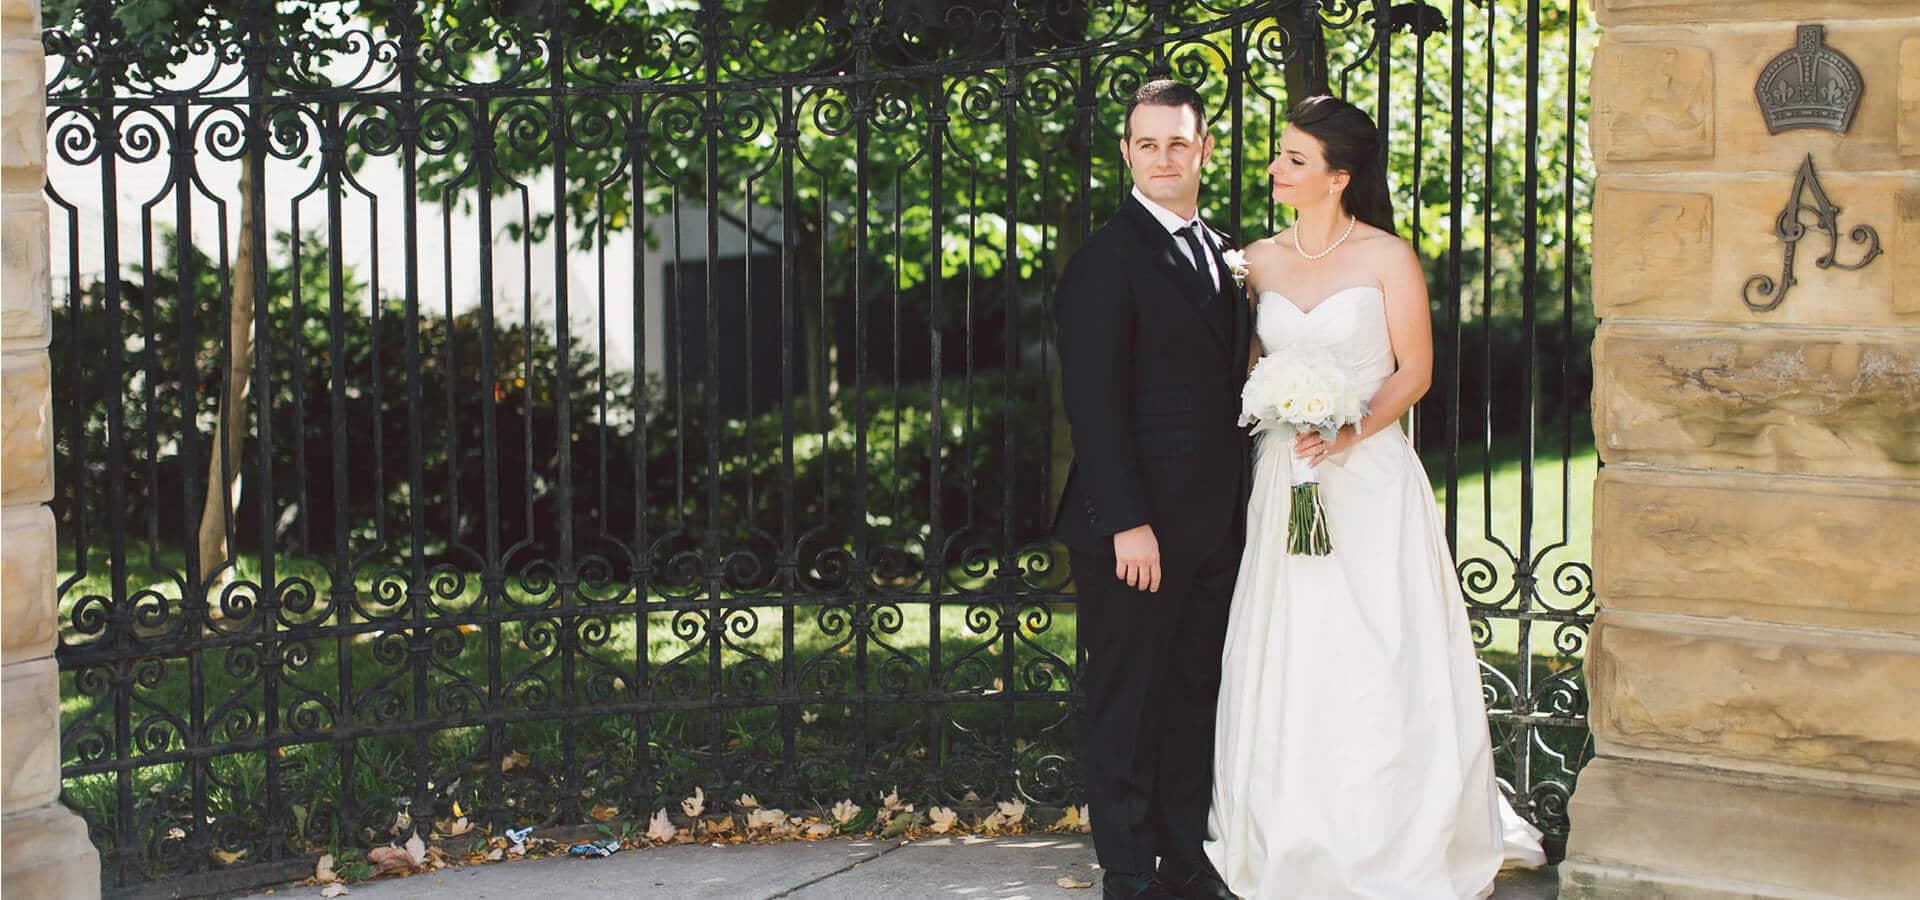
column 1736, row 546
column 1646, row 829
column 1648, row 248
column 1772, row 696
column 26, row 429
column 27, row 572
column 1652, row 101
column 23, row 127
column 24, row 278
column 1800, row 402
column 30, row 745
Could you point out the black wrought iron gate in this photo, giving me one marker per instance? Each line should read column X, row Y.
column 531, row 412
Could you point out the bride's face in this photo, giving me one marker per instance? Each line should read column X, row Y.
column 1299, row 171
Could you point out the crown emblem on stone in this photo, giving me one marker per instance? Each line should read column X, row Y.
column 1809, row 86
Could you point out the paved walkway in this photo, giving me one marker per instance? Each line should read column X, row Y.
column 1008, row 868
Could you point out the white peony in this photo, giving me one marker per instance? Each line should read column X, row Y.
column 1302, row 389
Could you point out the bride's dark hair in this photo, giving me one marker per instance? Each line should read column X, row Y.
column 1352, row 145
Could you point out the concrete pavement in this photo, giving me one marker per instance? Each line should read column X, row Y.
column 1005, row 868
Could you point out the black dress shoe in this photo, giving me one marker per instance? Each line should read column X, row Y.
column 1195, row 880
column 1126, row 886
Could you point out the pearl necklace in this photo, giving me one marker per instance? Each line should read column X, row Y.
column 1330, row 248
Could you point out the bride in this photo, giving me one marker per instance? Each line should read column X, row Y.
column 1352, row 756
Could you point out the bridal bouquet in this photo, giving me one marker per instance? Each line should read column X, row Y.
column 1303, row 390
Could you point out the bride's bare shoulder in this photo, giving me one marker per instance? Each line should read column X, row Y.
column 1385, row 247
column 1263, row 248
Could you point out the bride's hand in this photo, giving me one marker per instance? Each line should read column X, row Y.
column 1313, row 448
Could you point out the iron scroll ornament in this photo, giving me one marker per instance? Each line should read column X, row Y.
column 1787, row 227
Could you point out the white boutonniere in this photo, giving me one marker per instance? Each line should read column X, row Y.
column 1236, row 265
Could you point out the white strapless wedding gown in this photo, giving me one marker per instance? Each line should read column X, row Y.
column 1352, row 756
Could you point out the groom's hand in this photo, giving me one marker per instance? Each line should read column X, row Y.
column 1136, row 555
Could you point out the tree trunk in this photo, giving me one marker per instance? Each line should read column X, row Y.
column 229, row 429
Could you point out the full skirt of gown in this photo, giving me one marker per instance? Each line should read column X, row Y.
column 1352, row 754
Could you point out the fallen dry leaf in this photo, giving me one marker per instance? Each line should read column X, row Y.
column 334, row 890
column 604, row 813
column 767, row 819
column 1013, row 810
column 323, row 870
column 1069, row 820
column 1086, row 819
column 942, row 819
column 228, row 857
column 695, row 805
column 389, row 860
column 416, row 848
column 845, row 810
column 514, row 760
column 453, row 828
column 497, row 854
column 721, row 825
column 660, row 828
column 819, row 830
column 1071, row 883
column 747, row 801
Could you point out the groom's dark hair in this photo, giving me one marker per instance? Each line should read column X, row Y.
column 1165, row 92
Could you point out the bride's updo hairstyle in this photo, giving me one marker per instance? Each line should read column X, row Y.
column 1352, row 145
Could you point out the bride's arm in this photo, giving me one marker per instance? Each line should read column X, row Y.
column 1410, row 329
column 1254, row 350
column 1256, row 255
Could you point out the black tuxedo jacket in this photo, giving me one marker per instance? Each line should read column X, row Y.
column 1152, row 360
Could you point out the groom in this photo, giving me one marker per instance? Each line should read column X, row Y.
column 1154, row 335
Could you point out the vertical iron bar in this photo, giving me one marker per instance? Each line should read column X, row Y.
column 193, row 605
column 493, row 575
column 1456, row 286
column 718, row 612
column 936, row 555
column 1529, row 390
column 567, row 617
column 789, row 581
column 342, row 588
column 120, row 618
column 642, row 539
column 272, row 652
column 419, row 645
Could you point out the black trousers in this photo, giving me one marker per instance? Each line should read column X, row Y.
column 1152, row 679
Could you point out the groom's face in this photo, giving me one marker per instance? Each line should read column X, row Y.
column 1166, row 149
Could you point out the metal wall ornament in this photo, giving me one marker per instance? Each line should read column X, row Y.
column 1810, row 85
column 1788, row 227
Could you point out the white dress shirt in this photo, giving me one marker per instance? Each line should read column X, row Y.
column 1173, row 223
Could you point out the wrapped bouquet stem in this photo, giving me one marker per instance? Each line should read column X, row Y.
column 1307, row 524
column 1300, row 390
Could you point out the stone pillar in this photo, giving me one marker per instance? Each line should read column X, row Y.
column 1755, row 667
column 46, row 852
